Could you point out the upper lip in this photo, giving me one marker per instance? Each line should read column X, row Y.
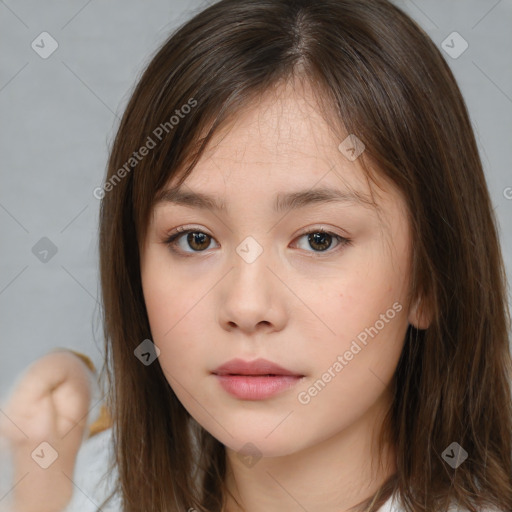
column 255, row 367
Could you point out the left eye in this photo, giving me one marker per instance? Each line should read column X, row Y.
column 323, row 240
column 320, row 240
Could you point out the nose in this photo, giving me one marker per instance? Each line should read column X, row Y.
column 252, row 298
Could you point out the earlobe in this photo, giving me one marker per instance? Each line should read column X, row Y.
column 420, row 315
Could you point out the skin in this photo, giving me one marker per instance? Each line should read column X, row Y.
column 294, row 305
column 50, row 403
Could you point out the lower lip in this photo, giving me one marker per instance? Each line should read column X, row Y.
column 256, row 387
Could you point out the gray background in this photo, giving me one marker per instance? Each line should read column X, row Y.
column 59, row 116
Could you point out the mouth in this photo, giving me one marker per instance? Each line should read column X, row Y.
column 257, row 368
column 255, row 380
column 257, row 376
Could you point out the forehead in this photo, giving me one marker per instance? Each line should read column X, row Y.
column 283, row 124
column 278, row 146
column 280, row 139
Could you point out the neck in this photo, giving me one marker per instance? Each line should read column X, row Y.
column 333, row 475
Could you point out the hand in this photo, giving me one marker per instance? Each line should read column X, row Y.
column 49, row 404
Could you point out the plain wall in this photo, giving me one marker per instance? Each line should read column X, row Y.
column 59, row 115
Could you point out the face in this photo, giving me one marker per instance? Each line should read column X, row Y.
column 318, row 287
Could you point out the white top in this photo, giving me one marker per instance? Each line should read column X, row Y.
column 92, row 486
column 92, row 463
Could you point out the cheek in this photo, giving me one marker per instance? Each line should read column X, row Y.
column 175, row 327
column 358, row 299
column 354, row 367
column 364, row 335
column 172, row 309
column 170, row 295
column 365, row 318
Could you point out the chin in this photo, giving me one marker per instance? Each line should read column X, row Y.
column 252, row 441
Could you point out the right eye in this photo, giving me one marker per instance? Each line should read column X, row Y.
column 195, row 239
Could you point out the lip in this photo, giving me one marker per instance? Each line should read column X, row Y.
column 255, row 380
column 253, row 368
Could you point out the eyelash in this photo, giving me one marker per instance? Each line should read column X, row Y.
column 175, row 235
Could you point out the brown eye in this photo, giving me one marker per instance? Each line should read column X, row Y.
column 190, row 241
column 198, row 241
column 195, row 241
column 320, row 241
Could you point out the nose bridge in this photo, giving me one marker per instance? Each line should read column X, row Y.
column 250, row 268
column 249, row 293
column 250, row 250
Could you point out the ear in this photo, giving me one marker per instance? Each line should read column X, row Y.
column 420, row 314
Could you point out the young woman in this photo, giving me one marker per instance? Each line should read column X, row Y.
column 304, row 296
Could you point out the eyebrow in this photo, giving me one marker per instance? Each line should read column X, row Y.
column 282, row 202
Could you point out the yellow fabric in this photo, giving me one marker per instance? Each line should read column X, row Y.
column 85, row 359
column 104, row 420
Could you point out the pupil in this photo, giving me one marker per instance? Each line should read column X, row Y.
column 202, row 237
column 320, row 238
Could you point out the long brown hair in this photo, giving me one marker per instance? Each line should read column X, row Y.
column 379, row 76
